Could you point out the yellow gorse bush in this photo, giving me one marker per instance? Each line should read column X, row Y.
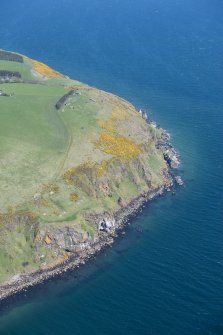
column 101, row 168
column 87, row 168
column 118, row 146
column 110, row 142
column 73, row 197
column 75, row 171
column 118, row 114
column 44, row 70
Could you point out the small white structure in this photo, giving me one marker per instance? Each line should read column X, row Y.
column 145, row 116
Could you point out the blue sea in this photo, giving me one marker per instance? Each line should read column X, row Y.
column 164, row 276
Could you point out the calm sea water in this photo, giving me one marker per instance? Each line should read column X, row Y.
column 165, row 56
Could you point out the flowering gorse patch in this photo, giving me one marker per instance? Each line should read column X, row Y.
column 44, row 70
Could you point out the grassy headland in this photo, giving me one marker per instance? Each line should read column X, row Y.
column 89, row 154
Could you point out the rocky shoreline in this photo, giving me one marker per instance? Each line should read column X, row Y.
column 120, row 218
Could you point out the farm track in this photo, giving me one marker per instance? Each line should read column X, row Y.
column 61, row 165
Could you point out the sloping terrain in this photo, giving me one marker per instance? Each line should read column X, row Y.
column 67, row 151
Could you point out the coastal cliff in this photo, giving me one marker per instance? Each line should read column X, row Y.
column 76, row 162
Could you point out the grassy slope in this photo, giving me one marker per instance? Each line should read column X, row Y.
column 39, row 144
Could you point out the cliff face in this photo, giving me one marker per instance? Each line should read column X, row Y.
column 82, row 160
